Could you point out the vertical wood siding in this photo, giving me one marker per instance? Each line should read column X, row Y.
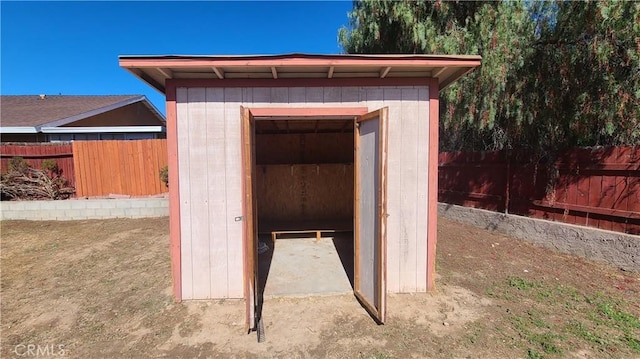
column 210, row 163
column 119, row 167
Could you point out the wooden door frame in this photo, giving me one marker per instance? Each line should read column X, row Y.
column 273, row 113
column 248, row 203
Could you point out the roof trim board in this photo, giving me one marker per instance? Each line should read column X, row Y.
column 156, row 70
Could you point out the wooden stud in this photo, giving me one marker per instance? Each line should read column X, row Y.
column 165, row 72
column 437, row 71
column 218, row 72
column 330, row 74
column 384, row 72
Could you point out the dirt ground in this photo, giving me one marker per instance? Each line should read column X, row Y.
column 101, row 289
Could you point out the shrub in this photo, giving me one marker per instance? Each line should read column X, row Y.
column 22, row 182
column 164, row 175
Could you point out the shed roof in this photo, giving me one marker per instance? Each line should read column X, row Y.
column 155, row 70
column 59, row 110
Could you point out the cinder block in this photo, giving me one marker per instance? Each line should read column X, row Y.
column 132, row 212
column 48, row 205
column 61, row 204
column 55, row 214
column 80, row 204
column 29, row 215
column 107, row 203
column 9, row 215
column 47, row 214
column 89, row 212
column 123, row 203
column 31, row 205
column 117, row 213
column 92, row 203
column 16, row 206
column 161, row 212
column 103, row 212
column 74, row 214
column 139, row 203
column 164, row 203
column 152, row 202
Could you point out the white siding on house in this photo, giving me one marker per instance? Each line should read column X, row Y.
column 210, row 166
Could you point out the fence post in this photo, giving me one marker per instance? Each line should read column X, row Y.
column 508, row 184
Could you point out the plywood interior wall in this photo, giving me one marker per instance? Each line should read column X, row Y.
column 307, row 148
column 304, row 177
column 304, row 193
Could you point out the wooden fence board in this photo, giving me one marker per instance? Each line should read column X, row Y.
column 99, row 168
column 120, row 167
column 595, row 187
column 36, row 153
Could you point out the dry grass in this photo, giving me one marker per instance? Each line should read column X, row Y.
column 102, row 289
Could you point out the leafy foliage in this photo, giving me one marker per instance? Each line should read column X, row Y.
column 164, row 175
column 554, row 74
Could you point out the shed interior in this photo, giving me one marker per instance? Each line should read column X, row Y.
column 305, row 182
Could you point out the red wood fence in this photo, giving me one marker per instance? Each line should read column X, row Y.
column 119, row 167
column 36, row 153
column 597, row 187
column 99, row 168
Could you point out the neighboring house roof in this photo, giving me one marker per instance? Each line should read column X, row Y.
column 33, row 113
column 156, row 70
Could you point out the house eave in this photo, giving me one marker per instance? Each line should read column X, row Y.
column 104, row 129
column 18, row 129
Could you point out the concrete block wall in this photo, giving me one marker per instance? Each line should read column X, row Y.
column 617, row 249
column 84, row 209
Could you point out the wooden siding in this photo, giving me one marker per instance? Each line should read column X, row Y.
column 209, row 254
column 119, row 167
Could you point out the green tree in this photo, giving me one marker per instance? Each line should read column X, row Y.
column 554, row 74
column 582, row 79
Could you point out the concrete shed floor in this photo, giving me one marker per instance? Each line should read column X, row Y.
column 305, row 267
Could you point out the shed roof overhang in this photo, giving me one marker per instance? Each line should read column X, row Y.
column 156, row 70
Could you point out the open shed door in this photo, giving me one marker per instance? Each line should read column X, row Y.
column 250, row 220
column 370, row 249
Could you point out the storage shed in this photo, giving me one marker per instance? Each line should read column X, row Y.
column 294, row 144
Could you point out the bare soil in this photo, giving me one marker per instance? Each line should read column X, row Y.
column 101, row 289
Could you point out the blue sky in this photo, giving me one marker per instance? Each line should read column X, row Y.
column 72, row 48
